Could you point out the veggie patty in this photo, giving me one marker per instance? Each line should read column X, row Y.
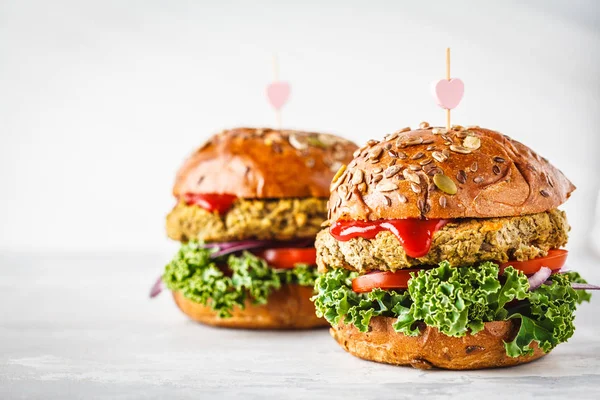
column 276, row 219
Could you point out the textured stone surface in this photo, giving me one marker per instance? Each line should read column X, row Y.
column 82, row 326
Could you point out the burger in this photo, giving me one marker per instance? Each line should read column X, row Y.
column 443, row 248
column 249, row 205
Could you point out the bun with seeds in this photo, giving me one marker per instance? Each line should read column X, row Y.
column 432, row 172
column 431, row 348
column 287, row 308
column 249, row 205
column 438, row 251
column 264, row 163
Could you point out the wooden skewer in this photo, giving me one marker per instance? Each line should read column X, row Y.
column 448, row 78
column 276, row 79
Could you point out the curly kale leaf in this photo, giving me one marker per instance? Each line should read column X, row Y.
column 196, row 275
column 582, row 295
column 549, row 318
column 458, row 301
column 301, row 274
column 336, row 301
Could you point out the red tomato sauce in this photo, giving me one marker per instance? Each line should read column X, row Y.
column 210, row 201
column 414, row 234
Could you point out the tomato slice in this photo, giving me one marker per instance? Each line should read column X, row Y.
column 288, row 257
column 386, row 280
column 555, row 260
column 383, row 280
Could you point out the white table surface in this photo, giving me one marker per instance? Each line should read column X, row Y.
column 82, row 327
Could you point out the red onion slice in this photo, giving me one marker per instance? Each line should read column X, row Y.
column 225, row 248
column 157, row 287
column 584, row 286
column 227, row 245
column 233, row 247
column 578, row 286
column 536, row 280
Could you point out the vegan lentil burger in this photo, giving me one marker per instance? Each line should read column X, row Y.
column 443, row 249
column 250, row 202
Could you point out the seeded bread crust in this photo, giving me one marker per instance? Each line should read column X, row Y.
column 431, row 348
column 434, row 173
column 287, row 308
column 264, row 163
column 460, row 242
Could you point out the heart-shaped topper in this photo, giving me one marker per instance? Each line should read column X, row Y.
column 448, row 92
column 278, row 94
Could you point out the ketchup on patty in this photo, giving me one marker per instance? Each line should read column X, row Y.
column 210, row 201
column 415, row 235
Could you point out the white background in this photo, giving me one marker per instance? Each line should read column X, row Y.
column 101, row 101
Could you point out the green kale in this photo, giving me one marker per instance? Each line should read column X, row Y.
column 336, row 299
column 196, row 275
column 582, row 295
column 549, row 318
column 458, row 301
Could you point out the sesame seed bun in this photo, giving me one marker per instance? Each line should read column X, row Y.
column 431, row 348
column 264, row 163
column 434, row 173
column 287, row 308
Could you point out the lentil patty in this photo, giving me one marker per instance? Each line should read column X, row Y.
column 273, row 219
column 461, row 242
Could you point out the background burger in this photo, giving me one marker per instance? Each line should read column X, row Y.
column 440, row 249
column 250, row 202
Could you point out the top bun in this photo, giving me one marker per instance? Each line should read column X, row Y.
column 264, row 163
column 435, row 173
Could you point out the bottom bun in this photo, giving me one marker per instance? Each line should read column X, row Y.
column 287, row 308
column 431, row 348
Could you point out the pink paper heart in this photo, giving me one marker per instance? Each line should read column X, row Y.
column 448, row 93
column 278, row 94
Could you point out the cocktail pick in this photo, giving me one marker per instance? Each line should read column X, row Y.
column 278, row 92
column 448, row 92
